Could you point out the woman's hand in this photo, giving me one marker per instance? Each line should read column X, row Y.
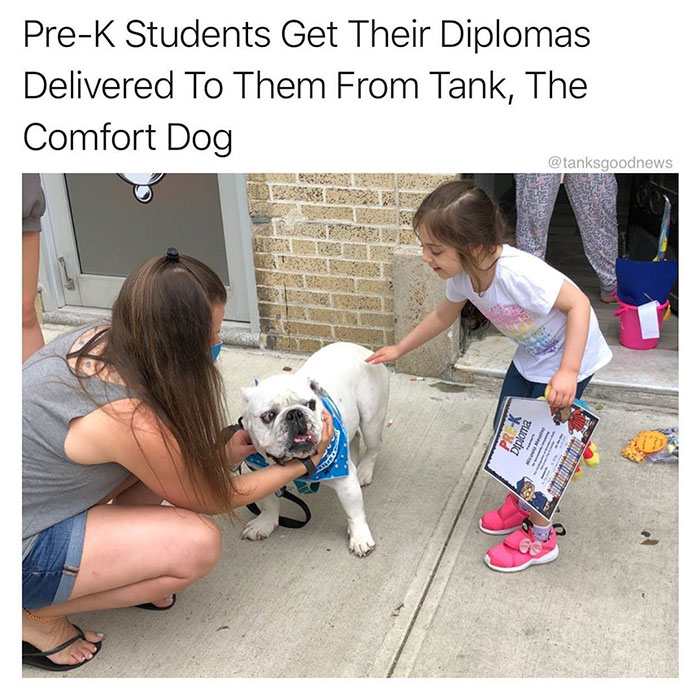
column 562, row 389
column 239, row 447
column 326, row 437
column 390, row 353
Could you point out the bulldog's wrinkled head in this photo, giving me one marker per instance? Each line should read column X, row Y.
column 283, row 415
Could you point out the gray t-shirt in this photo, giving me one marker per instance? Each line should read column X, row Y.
column 53, row 487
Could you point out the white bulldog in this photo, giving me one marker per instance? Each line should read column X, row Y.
column 283, row 416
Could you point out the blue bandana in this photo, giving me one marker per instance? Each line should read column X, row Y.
column 334, row 463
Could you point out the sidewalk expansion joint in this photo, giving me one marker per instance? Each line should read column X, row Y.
column 434, row 571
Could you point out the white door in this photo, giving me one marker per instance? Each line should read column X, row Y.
column 102, row 226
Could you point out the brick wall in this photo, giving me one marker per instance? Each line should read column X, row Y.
column 323, row 247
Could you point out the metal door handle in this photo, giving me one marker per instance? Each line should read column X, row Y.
column 67, row 281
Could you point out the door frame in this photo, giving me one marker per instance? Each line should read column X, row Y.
column 65, row 305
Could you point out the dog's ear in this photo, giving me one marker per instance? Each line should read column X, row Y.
column 315, row 387
column 247, row 392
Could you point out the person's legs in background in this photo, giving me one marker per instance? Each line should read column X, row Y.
column 593, row 198
column 535, row 195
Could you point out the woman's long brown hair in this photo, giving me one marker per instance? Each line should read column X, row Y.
column 159, row 344
column 461, row 215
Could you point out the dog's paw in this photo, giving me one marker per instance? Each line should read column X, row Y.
column 258, row 528
column 364, row 475
column 361, row 542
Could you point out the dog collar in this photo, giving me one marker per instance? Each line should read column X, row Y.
column 333, row 464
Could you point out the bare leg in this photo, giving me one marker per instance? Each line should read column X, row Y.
column 131, row 555
column 32, row 338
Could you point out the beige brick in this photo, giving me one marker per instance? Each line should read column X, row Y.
column 287, row 178
column 388, row 305
column 271, row 294
column 255, row 177
column 332, row 316
column 410, row 200
column 381, row 252
column 326, row 178
column 355, row 251
column 388, row 198
column 355, row 234
column 389, row 338
column 282, row 311
column 374, row 179
column 310, row 345
column 423, row 182
column 379, row 217
column 342, row 195
column 314, row 212
column 271, row 325
column 355, row 268
column 268, row 278
column 363, row 336
column 303, row 247
column 270, row 245
column 406, row 218
column 354, row 301
column 314, row 330
column 266, row 229
column 273, row 341
column 329, row 249
column 299, row 296
column 391, row 235
column 271, row 209
column 408, row 237
column 297, row 193
column 375, row 287
column 301, row 229
column 289, row 263
column 380, row 320
column 258, row 190
column 331, row 284
column 264, row 261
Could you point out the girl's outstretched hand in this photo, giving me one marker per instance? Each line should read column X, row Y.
column 562, row 389
column 385, row 354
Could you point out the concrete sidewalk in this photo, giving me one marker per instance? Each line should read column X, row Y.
column 424, row 604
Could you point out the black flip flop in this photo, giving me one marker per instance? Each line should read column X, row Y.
column 31, row 656
column 150, row 606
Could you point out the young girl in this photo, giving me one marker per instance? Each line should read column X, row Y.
column 463, row 236
column 129, row 413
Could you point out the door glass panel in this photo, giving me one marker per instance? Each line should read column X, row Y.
column 116, row 230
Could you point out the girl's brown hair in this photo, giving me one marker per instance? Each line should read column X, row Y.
column 461, row 215
column 159, row 344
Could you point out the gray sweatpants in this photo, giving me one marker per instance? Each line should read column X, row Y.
column 593, row 198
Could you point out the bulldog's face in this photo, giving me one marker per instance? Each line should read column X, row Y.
column 283, row 415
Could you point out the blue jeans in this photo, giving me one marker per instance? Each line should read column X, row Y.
column 50, row 567
column 515, row 384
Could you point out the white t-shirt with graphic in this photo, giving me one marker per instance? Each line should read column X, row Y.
column 520, row 303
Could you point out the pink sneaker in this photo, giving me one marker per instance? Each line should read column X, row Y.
column 520, row 549
column 508, row 518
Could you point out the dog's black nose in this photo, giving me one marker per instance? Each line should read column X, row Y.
column 295, row 415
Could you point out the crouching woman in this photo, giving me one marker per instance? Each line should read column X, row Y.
column 117, row 418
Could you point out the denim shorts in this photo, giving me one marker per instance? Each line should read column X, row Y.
column 50, row 568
